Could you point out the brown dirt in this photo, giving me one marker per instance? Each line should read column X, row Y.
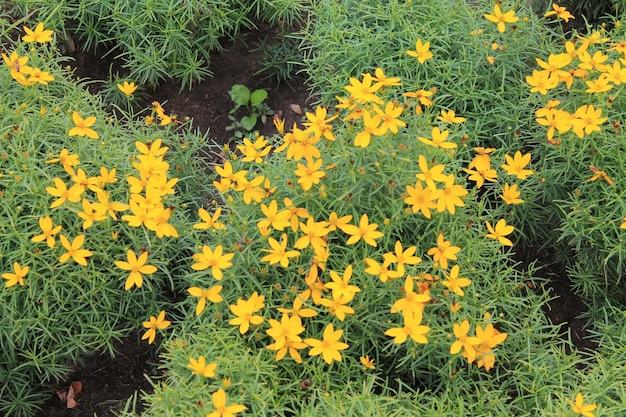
column 208, row 103
column 107, row 382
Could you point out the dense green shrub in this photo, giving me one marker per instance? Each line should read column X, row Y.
column 581, row 110
column 158, row 39
column 71, row 303
column 361, row 263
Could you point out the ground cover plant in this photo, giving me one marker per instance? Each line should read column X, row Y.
column 361, row 262
column 158, row 40
column 80, row 266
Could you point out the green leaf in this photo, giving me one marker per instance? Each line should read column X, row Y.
column 240, row 94
column 258, row 96
column 248, row 122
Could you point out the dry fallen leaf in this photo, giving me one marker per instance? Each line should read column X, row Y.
column 295, row 108
column 69, row 397
column 75, row 388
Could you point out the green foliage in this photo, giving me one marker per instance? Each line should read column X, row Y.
column 336, row 204
column 65, row 310
column 282, row 57
column 588, row 166
column 253, row 108
column 159, row 40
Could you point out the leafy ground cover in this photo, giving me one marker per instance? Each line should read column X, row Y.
column 360, row 262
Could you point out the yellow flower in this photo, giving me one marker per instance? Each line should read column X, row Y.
column 413, row 302
column 412, row 327
column 309, row 174
column 510, row 194
column 38, row 35
column 420, row 198
column 382, row 270
column 199, row 367
column 483, row 170
column 554, row 119
column 560, row 12
column 389, row 117
column 615, row 73
column 209, row 221
column 421, row 51
column 92, row 212
column 18, row 67
column 111, row 206
column 48, row 231
column 244, row 310
column 137, row 266
column 364, row 230
column 450, row 196
column 252, row 190
column 590, row 62
column 430, row 175
column 314, row 233
column 623, row 225
column 454, row 283
column 448, row 116
column 555, row 63
column 371, row 126
column 153, row 324
column 74, row 250
column 67, row 160
column 329, row 346
column 501, row 18
column 319, row 125
column 464, row 341
column 599, row 85
column 286, row 337
column 221, row 409
column 500, row 231
column 279, row 124
column 340, row 285
column 151, row 148
column 542, row 81
column 212, row 294
column 254, row 151
column 488, row 338
column 160, row 112
column 400, row 256
column 423, row 96
column 279, row 254
column 587, row 120
column 82, row 126
column 515, row 166
column 214, row 259
column 61, row 191
column 363, row 91
column 438, row 139
column 39, row 76
column 127, row 88
column 335, row 222
column 579, row 408
column 17, row 276
column 443, row 252
column 297, row 309
column 338, row 305
column 367, row 362
column 385, row 81
column 599, row 174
